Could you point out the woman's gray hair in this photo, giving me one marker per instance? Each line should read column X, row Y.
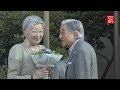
column 29, row 21
column 74, row 25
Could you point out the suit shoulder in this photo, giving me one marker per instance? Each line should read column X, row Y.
column 86, row 45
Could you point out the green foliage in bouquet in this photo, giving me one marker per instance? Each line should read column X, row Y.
column 62, row 51
column 47, row 51
column 38, row 53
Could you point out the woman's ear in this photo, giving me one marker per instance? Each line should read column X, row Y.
column 25, row 32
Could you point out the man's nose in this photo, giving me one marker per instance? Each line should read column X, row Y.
column 60, row 36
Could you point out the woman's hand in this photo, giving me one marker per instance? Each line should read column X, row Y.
column 49, row 68
column 41, row 73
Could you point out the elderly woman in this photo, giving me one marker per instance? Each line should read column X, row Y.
column 20, row 63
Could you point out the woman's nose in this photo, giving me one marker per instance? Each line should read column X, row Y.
column 38, row 34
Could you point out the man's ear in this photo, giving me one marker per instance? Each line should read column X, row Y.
column 75, row 35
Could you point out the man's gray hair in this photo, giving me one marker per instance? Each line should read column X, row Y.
column 29, row 21
column 74, row 25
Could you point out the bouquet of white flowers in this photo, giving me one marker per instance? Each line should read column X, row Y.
column 46, row 57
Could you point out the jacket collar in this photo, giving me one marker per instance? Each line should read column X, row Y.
column 69, row 59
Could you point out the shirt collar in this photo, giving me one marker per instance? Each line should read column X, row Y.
column 71, row 48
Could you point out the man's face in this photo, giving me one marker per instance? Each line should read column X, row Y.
column 67, row 38
column 35, row 35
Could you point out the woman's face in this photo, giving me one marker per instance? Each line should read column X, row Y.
column 35, row 35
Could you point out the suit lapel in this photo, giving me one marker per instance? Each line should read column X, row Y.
column 74, row 50
column 69, row 59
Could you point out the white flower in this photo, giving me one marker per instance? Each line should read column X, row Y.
column 46, row 57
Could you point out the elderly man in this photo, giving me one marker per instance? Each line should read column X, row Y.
column 81, row 62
